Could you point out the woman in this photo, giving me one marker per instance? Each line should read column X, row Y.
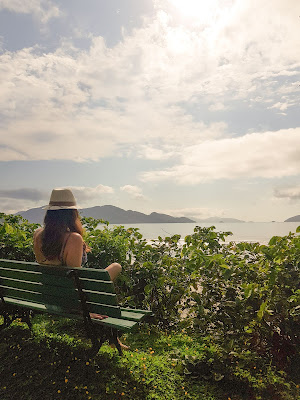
column 60, row 241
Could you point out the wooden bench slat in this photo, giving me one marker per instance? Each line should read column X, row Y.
column 123, row 325
column 35, row 277
column 64, row 303
column 59, row 281
column 39, row 298
column 132, row 316
column 68, row 293
column 59, row 270
column 111, row 311
column 136, row 310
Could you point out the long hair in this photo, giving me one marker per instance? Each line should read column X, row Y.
column 56, row 224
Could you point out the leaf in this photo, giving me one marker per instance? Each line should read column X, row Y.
column 295, row 312
column 274, row 240
column 147, row 289
column 248, row 329
column 8, row 229
column 218, row 377
column 248, row 290
column 227, row 273
column 262, row 310
column 272, row 276
column 298, row 229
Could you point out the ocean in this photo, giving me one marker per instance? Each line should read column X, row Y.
column 246, row 231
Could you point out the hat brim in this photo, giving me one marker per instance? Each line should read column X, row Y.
column 61, row 208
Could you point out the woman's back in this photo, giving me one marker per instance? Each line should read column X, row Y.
column 71, row 252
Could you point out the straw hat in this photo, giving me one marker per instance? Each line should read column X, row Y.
column 62, row 199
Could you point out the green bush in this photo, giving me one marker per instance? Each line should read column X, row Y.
column 16, row 238
column 243, row 299
column 248, row 297
column 107, row 245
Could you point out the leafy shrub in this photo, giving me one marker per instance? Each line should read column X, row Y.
column 16, row 238
column 247, row 300
column 107, row 245
column 244, row 298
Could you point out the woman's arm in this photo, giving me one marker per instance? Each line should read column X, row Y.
column 73, row 250
column 37, row 244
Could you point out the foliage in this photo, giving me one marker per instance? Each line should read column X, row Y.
column 107, row 245
column 248, row 298
column 241, row 299
column 16, row 238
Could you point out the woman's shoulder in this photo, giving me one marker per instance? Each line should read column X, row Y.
column 37, row 232
column 75, row 238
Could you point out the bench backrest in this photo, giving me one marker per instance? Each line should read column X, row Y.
column 53, row 287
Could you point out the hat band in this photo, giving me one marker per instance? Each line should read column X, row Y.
column 62, row 203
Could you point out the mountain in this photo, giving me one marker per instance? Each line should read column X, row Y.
column 34, row 215
column 220, row 219
column 293, row 219
column 114, row 215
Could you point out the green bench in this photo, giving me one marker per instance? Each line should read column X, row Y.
column 27, row 287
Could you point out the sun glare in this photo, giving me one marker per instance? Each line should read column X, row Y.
column 204, row 11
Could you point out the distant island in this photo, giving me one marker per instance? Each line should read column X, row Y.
column 220, row 220
column 293, row 219
column 112, row 214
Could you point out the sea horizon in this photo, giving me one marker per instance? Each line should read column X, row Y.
column 260, row 232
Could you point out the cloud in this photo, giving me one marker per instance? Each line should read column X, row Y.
column 197, row 213
column 85, row 194
column 134, row 192
column 24, row 194
column 152, row 89
column 267, row 155
column 150, row 152
column 15, row 200
column 42, row 9
column 291, row 193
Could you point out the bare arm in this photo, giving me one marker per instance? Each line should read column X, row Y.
column 73, row 251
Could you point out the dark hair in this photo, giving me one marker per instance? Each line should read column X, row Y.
column 56, row 224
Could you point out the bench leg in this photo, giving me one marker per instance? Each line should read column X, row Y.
column 115, row 341
column 7, row 321
column 10, row 313
column 26, row 317
column 95, row 347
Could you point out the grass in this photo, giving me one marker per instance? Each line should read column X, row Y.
column 51, row 363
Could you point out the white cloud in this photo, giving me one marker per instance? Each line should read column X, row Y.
column 195, row 213
column 284, row 105
column 153, row 153
column 15, row 200
column 134, row 191
column 267, row 155
column 23, row 194
column 137, row 96
column 85, row 194
column 217, row 107
column 291, row 193
column 12, row 206
column 42, row 9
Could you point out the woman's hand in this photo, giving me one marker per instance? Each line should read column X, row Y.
column 98, row 316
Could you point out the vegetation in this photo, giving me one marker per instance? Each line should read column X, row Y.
column 226, row 318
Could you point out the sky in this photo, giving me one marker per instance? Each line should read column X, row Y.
column 185, row 107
